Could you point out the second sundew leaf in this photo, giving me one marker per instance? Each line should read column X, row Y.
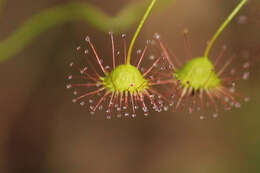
column 198, row 73
column 201, row 82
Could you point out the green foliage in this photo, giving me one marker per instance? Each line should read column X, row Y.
column 74, row 11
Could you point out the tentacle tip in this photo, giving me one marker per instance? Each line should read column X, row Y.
column 87, row 38
column 157, row 36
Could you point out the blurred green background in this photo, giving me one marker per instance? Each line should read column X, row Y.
column 42, row 131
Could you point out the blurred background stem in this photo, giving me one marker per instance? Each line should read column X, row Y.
column 74, row 11
column 2, row 3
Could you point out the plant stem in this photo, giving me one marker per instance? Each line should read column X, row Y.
column 74, row 11
column 2, row 3
column 223, row 26
column 138, row 30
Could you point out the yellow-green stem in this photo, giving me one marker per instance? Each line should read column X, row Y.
column 223, row 26
column 138, row 30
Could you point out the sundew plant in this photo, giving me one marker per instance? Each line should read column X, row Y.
column 90, row 86
column 122, row 90
column 197, row 84
column 202, row 82
column 131, row 84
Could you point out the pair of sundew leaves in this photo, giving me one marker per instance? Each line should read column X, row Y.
column 198, row 73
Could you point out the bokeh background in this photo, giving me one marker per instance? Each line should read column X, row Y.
column 42, row 131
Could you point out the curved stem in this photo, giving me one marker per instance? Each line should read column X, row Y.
column 2, row 3
column 74, row 11
column 138, row 30
column 223, row 26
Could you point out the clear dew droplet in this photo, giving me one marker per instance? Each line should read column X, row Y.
column 123, row 35
column 74, row 100
column 90, row 101
column 163, row 68
column 190, row 110
column 202, row 117
column 82, row 103
column 232, row 90
column 107, row 67
column 75, row 93
column 133, row 115
column 237, row 105
column 71, row 64
column 87, row 38
column 100, row 107
column 228, row 108
column 83, row 70
column 145, row 109
column 246, row 99
column 126, row 114
column 151, row 77
column 68, row 86
column 165, row 108
column 246, row 65
column 246, row 75
column 91, row 107
column 215, row 115
column 139, row 51
column 69, row 77
column 152, row 57
column 78, row 48
column 86, row 51
column 92, row 113
column 156, row 36
column 226, row 99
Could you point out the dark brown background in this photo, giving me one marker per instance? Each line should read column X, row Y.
column 42, row 131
